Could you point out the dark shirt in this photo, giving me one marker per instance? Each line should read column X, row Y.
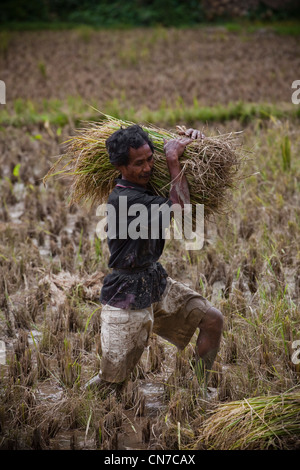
column 137, row 279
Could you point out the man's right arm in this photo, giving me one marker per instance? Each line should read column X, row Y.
column 179, row 192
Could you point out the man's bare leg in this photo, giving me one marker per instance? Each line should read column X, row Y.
column 208, row 343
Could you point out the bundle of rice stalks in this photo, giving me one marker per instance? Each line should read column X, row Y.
column 210, row 165
column 255, row 423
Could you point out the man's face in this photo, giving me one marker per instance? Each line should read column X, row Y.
column 140, row 166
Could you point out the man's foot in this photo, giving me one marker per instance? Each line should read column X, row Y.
column 96, row 383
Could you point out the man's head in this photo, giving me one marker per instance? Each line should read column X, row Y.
column 131, row 151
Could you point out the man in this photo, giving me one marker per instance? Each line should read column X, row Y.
column 138, row 297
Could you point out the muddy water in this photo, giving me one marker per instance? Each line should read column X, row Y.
column 135, row 432
column 153, row 394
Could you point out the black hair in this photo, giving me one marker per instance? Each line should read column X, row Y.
column 119, row 143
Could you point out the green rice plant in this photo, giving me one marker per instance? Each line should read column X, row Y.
column 16, row 171
column 70, row 369
column 98, row 248
column 89, row 318
column 286, row 153
column 56, row 112
column 42, row 69
column 260, row 422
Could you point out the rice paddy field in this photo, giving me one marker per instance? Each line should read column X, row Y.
column 52, row 263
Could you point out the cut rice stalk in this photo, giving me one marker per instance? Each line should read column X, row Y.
column 211, row 165
column 254, row 423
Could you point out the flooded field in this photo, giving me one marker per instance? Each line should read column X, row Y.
column 52, row 264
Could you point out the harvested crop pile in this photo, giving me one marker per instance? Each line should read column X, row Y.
column 254, row 423
column 211, row 165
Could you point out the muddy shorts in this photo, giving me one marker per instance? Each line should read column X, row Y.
column 125, row 333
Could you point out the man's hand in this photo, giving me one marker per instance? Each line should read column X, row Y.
column 192, row 133
column 174, row 148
